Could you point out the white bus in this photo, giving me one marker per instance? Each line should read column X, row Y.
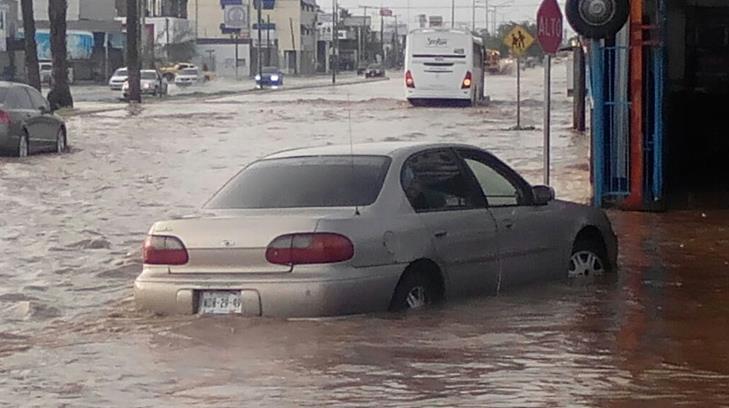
column 444, row 64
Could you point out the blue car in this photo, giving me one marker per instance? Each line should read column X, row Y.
column 270, row 77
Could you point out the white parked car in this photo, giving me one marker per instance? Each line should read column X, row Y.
column 189, row 76
column 116, row 82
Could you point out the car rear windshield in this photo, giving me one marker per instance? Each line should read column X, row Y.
column 304, row 182
column 149, row 75
column 120, row 71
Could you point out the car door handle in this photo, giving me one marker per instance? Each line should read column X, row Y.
column 508, row 223
column 440, row 234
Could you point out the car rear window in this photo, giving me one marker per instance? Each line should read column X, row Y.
column 149, row 75
column 303, row 182
column 120, row 71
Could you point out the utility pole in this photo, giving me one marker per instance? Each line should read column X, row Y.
column 486, row 15
column 335, row 42
column 260, row 39
column 268, row 40
column 473, row 16
column 453, row 13
column 396, row 45
column 382, row 37
column 365, row 36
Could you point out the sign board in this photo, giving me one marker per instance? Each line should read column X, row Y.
column 385, row 12
column 518, row 40
column 325, row 31
column 549, row 26
column 235, row 17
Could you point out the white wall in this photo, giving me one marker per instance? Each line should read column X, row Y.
column 224, row 56
column 77, row 10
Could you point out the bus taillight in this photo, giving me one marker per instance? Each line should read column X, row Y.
column 467, row 81
column 409, row 81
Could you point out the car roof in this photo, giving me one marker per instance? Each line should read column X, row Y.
column 8, row 84
column 390, row 149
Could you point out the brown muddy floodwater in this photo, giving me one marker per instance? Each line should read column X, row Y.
column 656, row 334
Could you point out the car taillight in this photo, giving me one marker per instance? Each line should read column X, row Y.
column 314, row 248
column 164, row 250
column 4, row 118
column 409, row 81
column 467, row 81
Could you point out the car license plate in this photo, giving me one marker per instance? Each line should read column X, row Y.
column 220, row 302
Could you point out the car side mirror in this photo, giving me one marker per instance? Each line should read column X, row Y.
column 542, row 194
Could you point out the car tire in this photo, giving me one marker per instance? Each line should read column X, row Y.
column 588, row 259
column 617, row 14
column 61, row 141
column 23, row 146
column 414, row 291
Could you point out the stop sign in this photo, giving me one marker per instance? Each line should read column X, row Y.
column 549, row 26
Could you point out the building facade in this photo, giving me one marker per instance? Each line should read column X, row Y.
column 95, row 39
column 218, row 48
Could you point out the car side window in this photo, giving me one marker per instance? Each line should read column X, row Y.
column 18, row 98
column 497, row 187
column 434, row 181
column 37, row 99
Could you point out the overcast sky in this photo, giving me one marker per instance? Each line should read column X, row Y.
column 506, row 10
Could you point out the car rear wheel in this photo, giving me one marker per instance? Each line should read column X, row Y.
column 414, row 291
column 23, row 146
column 587, row 259
column 61, row 141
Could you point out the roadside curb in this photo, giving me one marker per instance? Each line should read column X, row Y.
column 215, row 95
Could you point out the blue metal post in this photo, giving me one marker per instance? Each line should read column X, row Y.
column 659, row 65
column 598, row 119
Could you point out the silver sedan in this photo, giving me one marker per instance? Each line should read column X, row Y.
column 373, row 227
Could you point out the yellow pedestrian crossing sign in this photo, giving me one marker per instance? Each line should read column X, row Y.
column 518, row 40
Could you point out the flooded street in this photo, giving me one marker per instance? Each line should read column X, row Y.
column 71, row 229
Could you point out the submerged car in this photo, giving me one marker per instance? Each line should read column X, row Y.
column 270, row 77
column 116, row 82
column 151, row 82
column 375, row 71
column 189, row 76
column 352, row 229
column 27, row 124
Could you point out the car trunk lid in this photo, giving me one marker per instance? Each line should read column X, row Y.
column 232, row 244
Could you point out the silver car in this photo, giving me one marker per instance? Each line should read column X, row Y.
column 151, row 82
column 323, row 231
column 188, row 76
column 27, row 124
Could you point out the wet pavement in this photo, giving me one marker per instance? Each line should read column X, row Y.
column 71, row 227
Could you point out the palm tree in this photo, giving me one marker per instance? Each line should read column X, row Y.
column 31, row 51
column 60, row 95
column 133, row 65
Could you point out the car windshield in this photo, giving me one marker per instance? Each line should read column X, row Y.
column 149, row 75
column 302, row 182
column 189, row 71
column 270, row 70
column 120, row 72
